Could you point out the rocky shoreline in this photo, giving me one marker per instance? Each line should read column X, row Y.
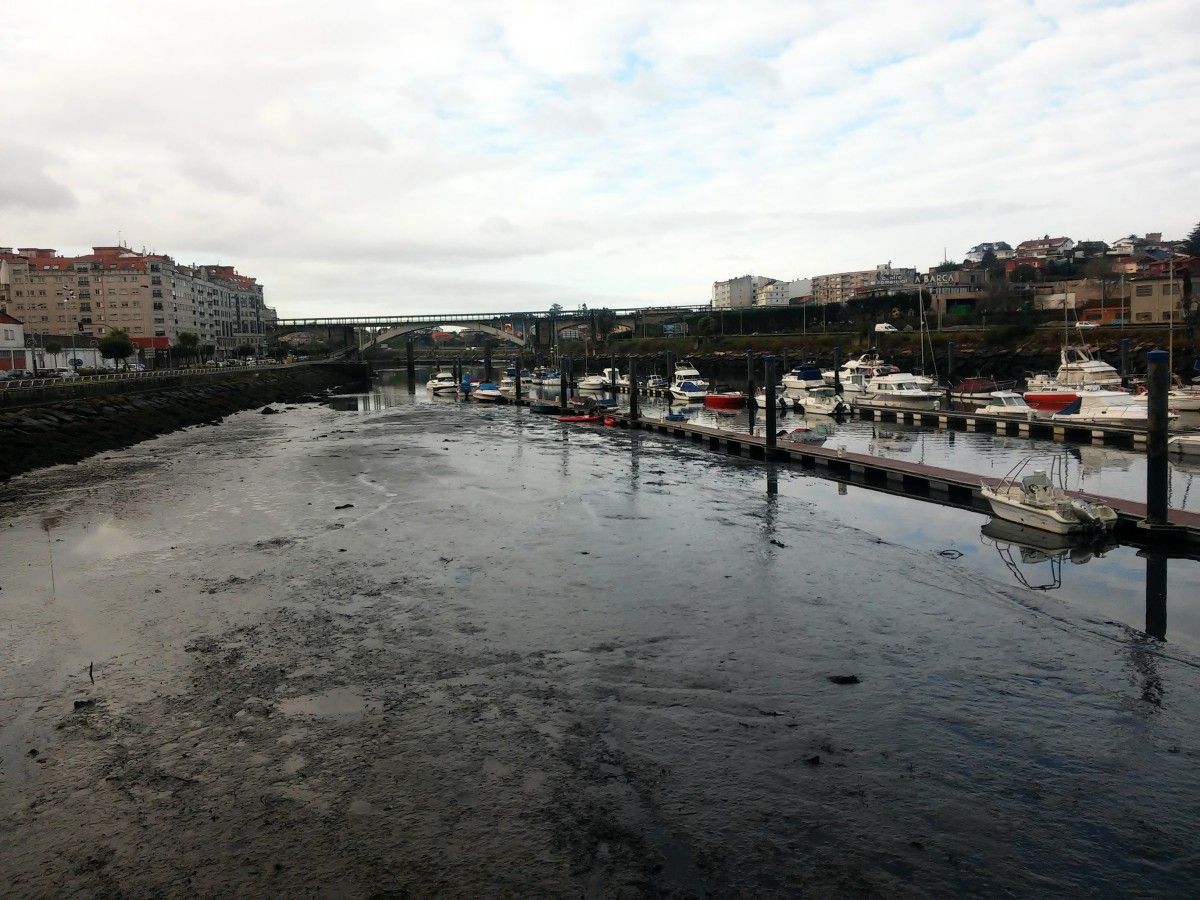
column 67, row 431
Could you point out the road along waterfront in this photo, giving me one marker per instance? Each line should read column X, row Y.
column 405, row 644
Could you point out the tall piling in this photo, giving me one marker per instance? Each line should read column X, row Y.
column 670, row 367
column 1156, row 595
column 517, row 379
column 631, row 371
column 563, row 380
column 837, row 370
column 487, row 362
column 750, row 376
column 949, row 360
column 612, row 372
column 410, row 367
column 1126, row 343
column 1158, row 381
column 769, row 388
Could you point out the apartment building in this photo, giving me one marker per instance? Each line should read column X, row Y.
column 738, row 292
column 149, row 296
column 841, row 286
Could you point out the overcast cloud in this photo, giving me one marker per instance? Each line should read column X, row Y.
column 371, row 157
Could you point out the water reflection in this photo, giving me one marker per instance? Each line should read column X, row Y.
column 1035, row 557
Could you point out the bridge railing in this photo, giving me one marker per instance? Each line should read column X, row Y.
column 484, row 318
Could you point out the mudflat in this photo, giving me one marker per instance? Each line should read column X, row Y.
column 443, row 649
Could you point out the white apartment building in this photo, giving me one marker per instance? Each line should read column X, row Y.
column 737, row 292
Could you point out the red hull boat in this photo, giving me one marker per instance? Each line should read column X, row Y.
column 1050, row 401
column 728, row 400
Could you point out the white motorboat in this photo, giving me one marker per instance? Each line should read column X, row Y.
column 1034, row 500
column 1100, row 407
column 781, row 400
column 487, row 392
column 1184, row 444
column 592, row 383
column 685, row 371
column 611, row 375
column 803, row 377
column 508, row 383
column 688, row 391
column 1079, row 369
column 898, row 391
column 822, row 401
column 656, row 381
column 1182, row 399
column 1007, row 403
column 442, row 383
column 856, row 372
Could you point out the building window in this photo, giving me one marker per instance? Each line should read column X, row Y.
column 158, row 306
column 157, row 292
column 154, row 279
column 84, row 281
column 1145, row 290
column 1166, row 316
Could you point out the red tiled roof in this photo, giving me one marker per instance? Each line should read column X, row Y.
column 9, row 320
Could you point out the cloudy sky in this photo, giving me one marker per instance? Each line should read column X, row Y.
column 371, row 157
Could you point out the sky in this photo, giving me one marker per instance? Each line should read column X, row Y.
column 387, row 157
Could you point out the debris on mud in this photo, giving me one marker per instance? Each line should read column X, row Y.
column 845, row 679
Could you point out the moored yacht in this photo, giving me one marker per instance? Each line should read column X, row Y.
column 1078, row 368
column 592, row 383
column 1036, row 501
column 822, row 401
column 688, row 391
column 803, row 377
column 1099, row 407
column 685, row 371
column 857, row 371
column 442, row 383
column 897, row 391
column 1007, row 403
column 487, row 392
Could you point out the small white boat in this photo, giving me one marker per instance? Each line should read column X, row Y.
column 487, row 392
column 685, row 371
column 782, row 401
column 442, row 383
column 897, row 391
column 688, row 392
column 822, row 401
column 592, row 383
column 856, row 372
column 803, row 377
column 1007, row 403
column 1184, row 444
column 1101, row 407
column 1181, row 399
column 1034, row 500
column 656, row 381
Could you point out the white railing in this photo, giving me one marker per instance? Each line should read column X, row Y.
column 18, row 384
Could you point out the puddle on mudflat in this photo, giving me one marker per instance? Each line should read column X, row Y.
column 336, row 703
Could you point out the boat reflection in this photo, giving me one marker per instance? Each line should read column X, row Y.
column 1035, row 557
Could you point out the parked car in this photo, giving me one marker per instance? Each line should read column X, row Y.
column 885, row 328
column 61, row 373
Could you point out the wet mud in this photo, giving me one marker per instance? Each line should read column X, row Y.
column 447, row 650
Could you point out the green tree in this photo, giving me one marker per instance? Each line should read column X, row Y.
column 186, row 344
column 1191, row 244
column 1023, row 274
column 54, row 348
column 116, row 345
column 605, row 320
column 555, row 308
column 948, row 266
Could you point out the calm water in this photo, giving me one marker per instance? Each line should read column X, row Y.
column 1101, row 583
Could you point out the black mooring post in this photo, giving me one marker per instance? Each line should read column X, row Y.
column 563, row 381
column 517, row 380
column 410, row 366
column 612, row 372
column 783, row 361
column 631, row 370
column 769, row 388
column 949, row 360
column 1126, row 344
column 1159, row 383
column 1156, row 595
column 837, row 370
column 750, row 375
column 487, row 363
column 670, row 367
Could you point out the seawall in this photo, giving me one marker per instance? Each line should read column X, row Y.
column 71, row 428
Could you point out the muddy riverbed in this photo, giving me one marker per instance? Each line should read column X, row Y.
column 445, row 649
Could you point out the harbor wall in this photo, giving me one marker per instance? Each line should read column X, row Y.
column 71, row 428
